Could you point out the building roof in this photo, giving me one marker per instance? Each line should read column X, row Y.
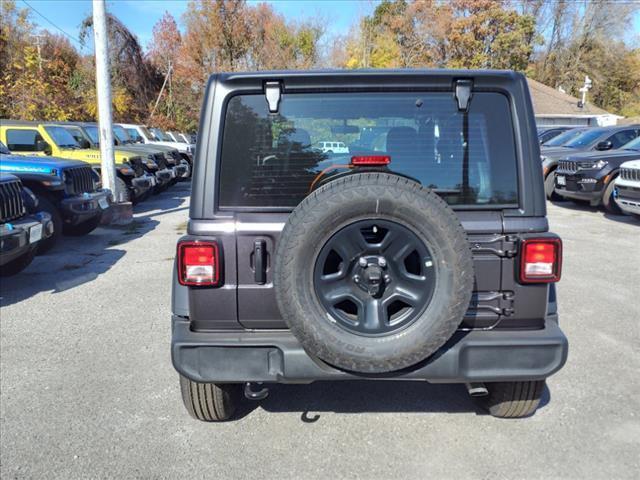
column 549, row 101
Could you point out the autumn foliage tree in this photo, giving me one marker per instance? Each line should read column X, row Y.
column 557, row 42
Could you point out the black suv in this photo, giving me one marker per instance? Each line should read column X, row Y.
column 423, row 253
column 597, row 139
column 590, row 176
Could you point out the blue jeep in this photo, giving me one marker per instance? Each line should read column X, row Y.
column 22, row 226
column 69, row 190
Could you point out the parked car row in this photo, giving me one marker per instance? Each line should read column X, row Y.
column 599, row 166
column 51, row 175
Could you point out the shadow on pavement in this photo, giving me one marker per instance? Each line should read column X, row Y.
column 363, row 396
column 585, row 207
column 76, row 261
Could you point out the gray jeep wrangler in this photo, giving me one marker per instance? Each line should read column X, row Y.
column 421, row 254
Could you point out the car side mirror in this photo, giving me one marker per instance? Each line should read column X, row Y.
column 84, row 143
column 605, row 145
column 42, row 146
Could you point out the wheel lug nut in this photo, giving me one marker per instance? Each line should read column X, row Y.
column 362, row 262
column 356, row 278
column 387, row 279
column 382, row 262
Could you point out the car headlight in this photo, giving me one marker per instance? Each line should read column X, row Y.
column 592, row 165
column 600, row 164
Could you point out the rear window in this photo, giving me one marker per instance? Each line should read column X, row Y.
column 271, row 160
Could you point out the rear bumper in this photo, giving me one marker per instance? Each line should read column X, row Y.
column 83, row 207
column 16, row 238
column 276, row 356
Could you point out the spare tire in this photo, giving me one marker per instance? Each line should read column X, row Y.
column 373, row 272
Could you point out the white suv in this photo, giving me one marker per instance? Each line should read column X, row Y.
column 333, row 147
column 142, row 134
column 627, row 191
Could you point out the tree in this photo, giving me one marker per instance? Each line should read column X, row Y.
column 455, row 34
column 134, row 80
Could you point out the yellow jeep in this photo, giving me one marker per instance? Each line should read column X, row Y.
column 49, row 139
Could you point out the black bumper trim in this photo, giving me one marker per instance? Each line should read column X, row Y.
column 80, row 208
column 15, row 242
column 594, row 197
column 276, row 356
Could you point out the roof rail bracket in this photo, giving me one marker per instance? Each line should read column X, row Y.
column 272, row 92
column 463, row 94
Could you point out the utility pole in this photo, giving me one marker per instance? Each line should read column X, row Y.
column 585, row 88
column 103, row 92
column 38, row 37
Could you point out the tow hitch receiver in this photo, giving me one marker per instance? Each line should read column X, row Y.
column 252, row 394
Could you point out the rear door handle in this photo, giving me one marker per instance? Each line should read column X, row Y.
column 260, row 261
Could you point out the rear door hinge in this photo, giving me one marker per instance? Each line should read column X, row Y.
column 499, row 303
column 463, row 93
column 501, row 245
column 273, row 92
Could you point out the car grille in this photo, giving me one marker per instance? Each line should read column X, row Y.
column 160, row 160
column 630, row 174
column 79, row 180
column 136, row 164
column 568, row 166
column 11, row 202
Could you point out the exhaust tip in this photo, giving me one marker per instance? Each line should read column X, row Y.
column 477, row 389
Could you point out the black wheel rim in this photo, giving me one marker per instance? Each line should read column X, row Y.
column 374, row 277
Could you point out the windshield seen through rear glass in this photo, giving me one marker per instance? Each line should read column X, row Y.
column 563, row 138
column 272, row 160
column 584, row 139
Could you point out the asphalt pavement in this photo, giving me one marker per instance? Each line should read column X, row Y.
column 87, row 389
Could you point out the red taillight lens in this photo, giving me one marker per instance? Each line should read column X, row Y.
column 370, row 160
column 198, row 264
column 540, row 260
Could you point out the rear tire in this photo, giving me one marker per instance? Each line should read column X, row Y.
column 210, row 402
column 513, row 399
column 363, row 337
column 608, row 201
column 46, row 205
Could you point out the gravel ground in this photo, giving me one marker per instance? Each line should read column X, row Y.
column 88, row 390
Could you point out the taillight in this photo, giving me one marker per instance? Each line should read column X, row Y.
column 359, row 160
column 198, row 264
column 540, row 260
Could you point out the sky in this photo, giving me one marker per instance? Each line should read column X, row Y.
column 140, row 15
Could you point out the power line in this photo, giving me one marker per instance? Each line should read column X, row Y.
column 82, row 46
